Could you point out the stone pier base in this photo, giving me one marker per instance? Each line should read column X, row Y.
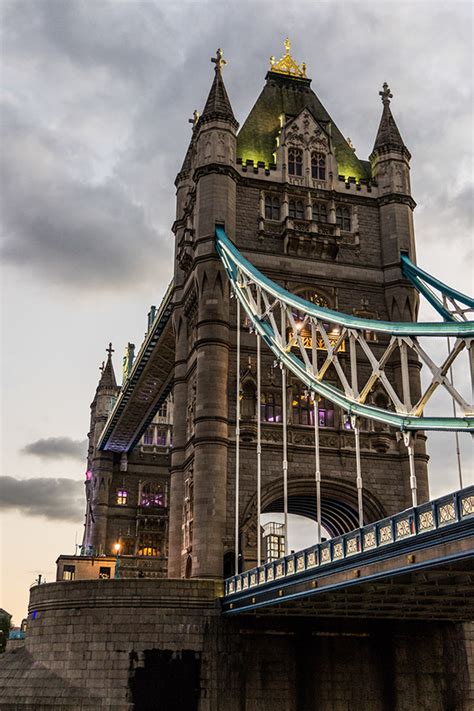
column 163, row 644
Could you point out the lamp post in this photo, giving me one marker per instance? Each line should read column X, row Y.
column 117, row 547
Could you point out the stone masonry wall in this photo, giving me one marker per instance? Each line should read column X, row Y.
column 139, row 645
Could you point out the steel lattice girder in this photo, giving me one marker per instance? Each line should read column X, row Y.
column 267, row 303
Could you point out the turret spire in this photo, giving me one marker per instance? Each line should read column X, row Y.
column 218, row 103
column 388, row 135
column 107, row 379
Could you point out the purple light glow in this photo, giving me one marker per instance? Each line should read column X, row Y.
column 88, row 475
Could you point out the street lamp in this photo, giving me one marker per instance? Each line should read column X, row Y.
column 117, row 547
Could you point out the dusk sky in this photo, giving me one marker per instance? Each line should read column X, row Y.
column 95, row 109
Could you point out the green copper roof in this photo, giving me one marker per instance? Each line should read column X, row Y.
column 288, row 95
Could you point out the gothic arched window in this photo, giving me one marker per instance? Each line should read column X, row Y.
column 270, row 407
column 295, row 161
column 318, row 166
column 272, row 207
column 343, row 218
column 319, row 212
column 296, row 209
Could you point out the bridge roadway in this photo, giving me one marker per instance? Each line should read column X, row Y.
column 418, row 564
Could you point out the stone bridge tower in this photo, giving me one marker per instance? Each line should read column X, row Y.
column 295, row 198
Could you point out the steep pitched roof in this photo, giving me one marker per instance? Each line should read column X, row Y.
column 107, row 379
column 218, row 103
column 388, row 135
column 289, row 96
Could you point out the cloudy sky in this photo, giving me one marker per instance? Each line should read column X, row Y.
column 95, row 109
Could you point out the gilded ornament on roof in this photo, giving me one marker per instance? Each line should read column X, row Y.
column 287, row 65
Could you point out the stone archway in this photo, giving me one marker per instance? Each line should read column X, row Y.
column 339, row 509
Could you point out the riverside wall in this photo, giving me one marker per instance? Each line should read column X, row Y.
column 138, row 645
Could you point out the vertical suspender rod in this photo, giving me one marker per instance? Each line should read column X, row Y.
column 285, row 433
column 237, row 442
column 259, row 445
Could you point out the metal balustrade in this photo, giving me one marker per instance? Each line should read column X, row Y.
column 411, row 523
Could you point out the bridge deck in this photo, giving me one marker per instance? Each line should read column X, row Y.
column 417, row 564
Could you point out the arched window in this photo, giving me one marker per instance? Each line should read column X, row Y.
column 122, row 496
column 270, row 407
column 318, row 166
column 319, row 212
column 295, row 161
column 272, row 207
column 343, row 218
column 152, row 495
column 296, row 209
column 189, row 567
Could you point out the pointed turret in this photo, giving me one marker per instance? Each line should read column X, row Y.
column 390, row 160
column 388, row 136
column 218, row 104
column 107, row 379
column 104, row 398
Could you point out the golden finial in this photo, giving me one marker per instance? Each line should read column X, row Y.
column 287, row 65
column 195, row 118
column 218, row 60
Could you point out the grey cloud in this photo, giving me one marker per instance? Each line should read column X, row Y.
column 57, row 448
column 69, row 231
column 55, row 499
column 117, row 84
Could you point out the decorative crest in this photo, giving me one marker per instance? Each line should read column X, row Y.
column 287, row 65
column 110, row 350
column 385, row 94
column 218, row 60
column 195, row 118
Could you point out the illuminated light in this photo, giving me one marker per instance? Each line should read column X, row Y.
column 299, row 326
column 295, row 403
column 117, row 547
column 88, row 475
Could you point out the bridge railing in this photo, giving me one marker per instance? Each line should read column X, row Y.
column 413, row 522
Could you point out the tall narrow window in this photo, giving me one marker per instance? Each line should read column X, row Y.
column 303, row 409
column 343, row 218
column 271, row 407
column 122, row 496
column 295, row 161
column 318, row 166
column 296, row 209
column 272, row 207
column 148, row 436
column 320, row 213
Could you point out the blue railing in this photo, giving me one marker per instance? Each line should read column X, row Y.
column 413, row 522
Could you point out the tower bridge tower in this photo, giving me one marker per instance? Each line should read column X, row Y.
column 304, row 209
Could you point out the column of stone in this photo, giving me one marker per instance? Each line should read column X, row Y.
column 102, row 479
column 178, row 453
